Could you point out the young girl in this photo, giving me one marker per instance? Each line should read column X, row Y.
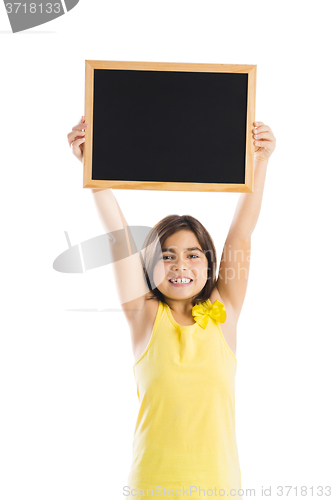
column 184, row 441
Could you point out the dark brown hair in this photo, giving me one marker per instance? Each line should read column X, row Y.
column 154, row 243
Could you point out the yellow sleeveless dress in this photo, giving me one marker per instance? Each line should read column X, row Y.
column 184, row 440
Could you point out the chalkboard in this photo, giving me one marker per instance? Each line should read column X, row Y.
column 169, row 126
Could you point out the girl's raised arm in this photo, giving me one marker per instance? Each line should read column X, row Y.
column 131, row 284
column 127, row 266
column 235, row 262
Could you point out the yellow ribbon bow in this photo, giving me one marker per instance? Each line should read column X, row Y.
column 201, row 312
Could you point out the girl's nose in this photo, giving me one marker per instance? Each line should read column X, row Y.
column 179, row 265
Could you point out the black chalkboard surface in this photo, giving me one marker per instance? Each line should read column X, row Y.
column 169, row 126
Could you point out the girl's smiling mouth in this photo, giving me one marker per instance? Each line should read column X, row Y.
column 180, row 281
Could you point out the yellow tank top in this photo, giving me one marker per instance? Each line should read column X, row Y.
column 184, row 437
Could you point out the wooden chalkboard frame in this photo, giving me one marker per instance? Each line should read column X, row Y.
column 91, row 65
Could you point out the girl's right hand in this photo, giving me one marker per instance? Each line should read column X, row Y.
column 76, row 138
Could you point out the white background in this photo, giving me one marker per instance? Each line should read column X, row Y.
column 67, row 395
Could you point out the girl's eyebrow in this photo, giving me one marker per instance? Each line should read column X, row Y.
column 186, row 249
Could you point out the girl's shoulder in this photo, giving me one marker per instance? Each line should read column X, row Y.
column 141, row 329
column 141, row 323
column 215, row 295
column 229, row 327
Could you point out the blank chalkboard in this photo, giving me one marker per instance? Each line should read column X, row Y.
column 169, row 126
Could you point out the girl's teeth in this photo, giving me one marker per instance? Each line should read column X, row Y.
column 184, row 280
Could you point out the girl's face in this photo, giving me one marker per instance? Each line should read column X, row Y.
column 182, row 257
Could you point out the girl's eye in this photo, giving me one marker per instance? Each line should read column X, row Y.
column 167, row 257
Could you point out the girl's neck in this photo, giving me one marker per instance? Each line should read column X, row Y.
column 180, row 307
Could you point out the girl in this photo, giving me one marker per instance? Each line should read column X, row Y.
column 184, row 441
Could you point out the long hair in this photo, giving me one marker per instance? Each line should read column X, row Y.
column 154, row 243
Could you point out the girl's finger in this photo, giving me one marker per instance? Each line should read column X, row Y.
column 263, row 144
column 75, row 145
column 262, row 128
column 262, row 135
column 76, row 133
column 80, row 126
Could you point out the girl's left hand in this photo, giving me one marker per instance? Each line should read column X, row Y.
column 264, row 141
